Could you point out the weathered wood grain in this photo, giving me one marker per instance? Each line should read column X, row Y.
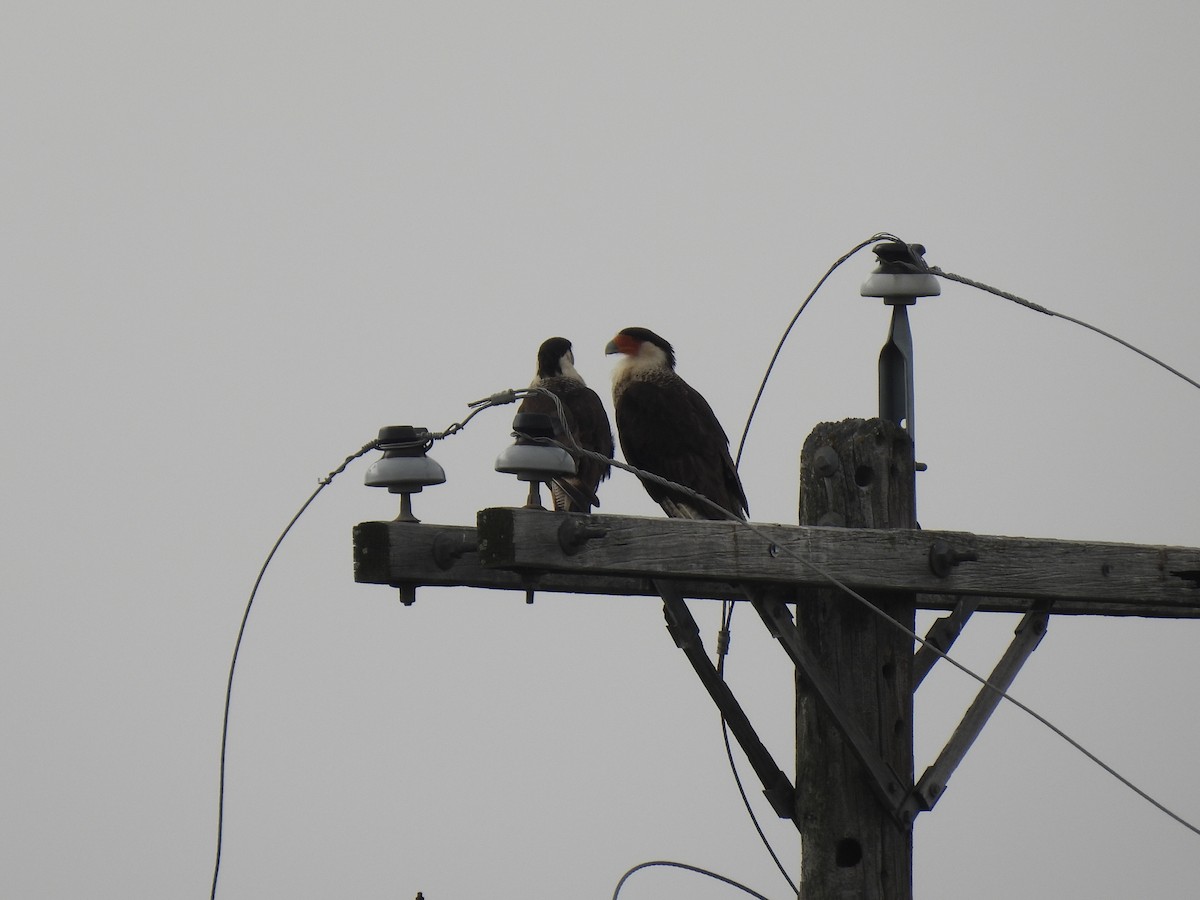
column 405, row 554
column 854, row 700
column 1094, row 578
column 1010, row 572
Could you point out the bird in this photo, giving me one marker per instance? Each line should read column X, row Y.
column 586, row 421
column 667, row 428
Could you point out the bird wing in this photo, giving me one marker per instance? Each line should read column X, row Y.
column 668, row 428
column 587, row 422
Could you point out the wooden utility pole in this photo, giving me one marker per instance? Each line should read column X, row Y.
column 855, row 474
column 855, row 795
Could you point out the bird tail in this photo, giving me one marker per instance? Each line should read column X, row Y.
column 571, row 495
column 678, row 508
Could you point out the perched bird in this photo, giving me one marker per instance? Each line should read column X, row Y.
column 587, row 423
column 668, row 428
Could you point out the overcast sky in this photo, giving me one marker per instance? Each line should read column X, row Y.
column 238, row 238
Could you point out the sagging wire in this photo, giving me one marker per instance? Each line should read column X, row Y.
column 679, row 865
column 737, row 780
column 322, row 483
column 723, row 637
column 727, row 607
column 425, row 441
column 950, row 276
column 500, row 398
column 762, row 386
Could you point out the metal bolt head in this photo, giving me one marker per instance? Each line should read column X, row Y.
column 826, row 462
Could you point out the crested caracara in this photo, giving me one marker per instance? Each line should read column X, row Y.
column 667, row 428
column 586, row 421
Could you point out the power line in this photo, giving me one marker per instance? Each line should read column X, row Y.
column 477, row 407
column 679, row 865
column 950, row 276
column 322, row 484
column 762, row 386
column 737, row 779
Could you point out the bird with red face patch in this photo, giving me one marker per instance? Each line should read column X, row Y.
column 666, row 427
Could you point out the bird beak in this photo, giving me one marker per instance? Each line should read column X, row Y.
column 611, row 348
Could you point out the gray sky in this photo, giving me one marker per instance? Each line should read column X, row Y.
column 239, row 238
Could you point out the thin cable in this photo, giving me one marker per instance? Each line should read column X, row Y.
column 727, row 608
column 950, row 276
column 737, row 779
column 321, row 485
column 679, row 865
column 881, row 236
column 498, row 399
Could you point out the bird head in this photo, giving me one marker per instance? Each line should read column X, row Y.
column 643, row 345
column 555, row 357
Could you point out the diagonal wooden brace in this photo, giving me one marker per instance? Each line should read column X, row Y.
column 890, row 788
column 1028, row 635
column 683, row 628
column 942, row 635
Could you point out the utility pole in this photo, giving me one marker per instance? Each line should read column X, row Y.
column 857, row 474
column 855, row 795
column 855, row 792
